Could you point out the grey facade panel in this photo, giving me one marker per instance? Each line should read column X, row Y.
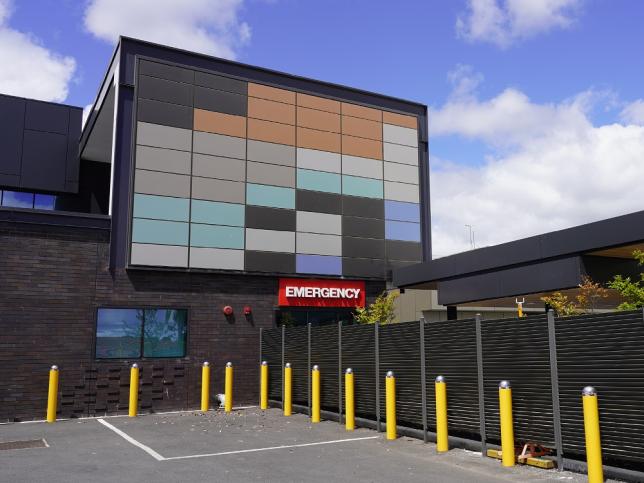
column 270, row 218
column 163, row 136
column 270, row 240
column 165, row 71
column 219, row 145
column 218, row 190
column 315, row 222
column 166, row 114
column 219, row 101
column 269, row 174
column 404, row 250
column 269, row 262
column 160, row 159
column 159, row 255
column 271, row 153
column 316, row 201
column 163, row 184
column 12, row 123
column 217, row 258
column 317, row 244
column 363, row 247
column 207, row 166
column 43, row 161
column 363, row 227
column 363, row 267
column 165, row 90
column 221, row 83
column 363, row 207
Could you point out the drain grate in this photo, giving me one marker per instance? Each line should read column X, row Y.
column 25, row 444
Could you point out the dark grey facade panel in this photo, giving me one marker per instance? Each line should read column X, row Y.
column 164, row 71
column 47, row 117
column 363, row 227
column 317, row 201
column 269, row 262
column 221, row 83
column 363, row 267
column 43, row 161
column 552, row 275
column 165, row 90
column 12, row 121
column 173, row 115
column 363, row 247
column 10, row 180
column 73, row 155
column 220, row 101
column 603, row 269
column 364, row 207
column 270, row 218
column 404, row 250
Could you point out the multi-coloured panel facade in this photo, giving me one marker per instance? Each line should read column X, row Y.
column 236, row 175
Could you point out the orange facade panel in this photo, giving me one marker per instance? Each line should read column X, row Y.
column 320, row 140
column 220, row 123
column 321, row 120
column 320, row 103
column 364, row 128
column 362, row 112
column 365, row 148
column 271, row 110
column 399, row 120
column 271, row 93
column 271, row 132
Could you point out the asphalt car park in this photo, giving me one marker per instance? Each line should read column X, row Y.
column 242, row 446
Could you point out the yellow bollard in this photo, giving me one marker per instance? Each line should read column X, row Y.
column 442, row 444
column 315, row 395
column 205, row 387
column 593, row 442
column 263, row 396
column 228, row 403
column 350, row 415
column 134, row 391
column 507, row 428
column 390, row 397
column 52, row 398
column 288, row 390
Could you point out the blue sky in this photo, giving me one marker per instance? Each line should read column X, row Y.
column 514, row 86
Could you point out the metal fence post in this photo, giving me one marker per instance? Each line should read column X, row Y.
column 283, row 345
column 377, row 371
column 340, row 372
column 261, row 338
column 479, row 366
column 308, row 369
column 554, row 383
column 423, row 380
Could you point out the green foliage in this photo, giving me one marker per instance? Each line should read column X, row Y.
column 561, row 305
column 631, row 291
column 381, row 310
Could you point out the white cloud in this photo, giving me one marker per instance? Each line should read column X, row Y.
column 549, row 168
column 208, row 26
column 633, row 113
column 29, row 69
column 503, row 22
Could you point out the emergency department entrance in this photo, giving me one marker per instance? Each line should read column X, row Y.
column 318, row 302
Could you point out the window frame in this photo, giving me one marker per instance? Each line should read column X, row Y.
column 142, row 338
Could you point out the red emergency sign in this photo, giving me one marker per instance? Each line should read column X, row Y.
column 321, row 293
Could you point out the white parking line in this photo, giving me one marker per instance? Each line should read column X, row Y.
column 131, row 440
column 270, row 448
column 158, row 457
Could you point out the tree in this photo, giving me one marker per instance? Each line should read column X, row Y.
column 590, row 293
column 381, row 310
column 561, row 305
column 632, row 292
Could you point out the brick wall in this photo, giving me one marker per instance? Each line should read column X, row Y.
column 52, row 279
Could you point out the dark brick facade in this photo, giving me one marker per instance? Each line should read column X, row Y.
column 53, row 278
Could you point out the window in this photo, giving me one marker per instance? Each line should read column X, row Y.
column 20, row 199
column 136, row 333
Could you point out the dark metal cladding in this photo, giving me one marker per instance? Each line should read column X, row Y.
column 272, row 353
column 358, row 354
column 324, row 353
column 296, row 352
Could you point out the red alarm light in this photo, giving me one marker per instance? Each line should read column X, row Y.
column 248, row 310
column 228, row 310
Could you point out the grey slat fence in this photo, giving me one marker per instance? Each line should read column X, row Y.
column 548, row 361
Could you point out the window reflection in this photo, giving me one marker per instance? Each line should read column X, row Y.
column 21, row 199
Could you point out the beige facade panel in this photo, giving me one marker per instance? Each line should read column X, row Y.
column 163, row 136
column 320, row 103
column 270, row 174
column 163, row 184
column 320, row 140
column 217, row 167
column 220, row 123
column 160, row 159
column 316, row 244
column 271, row 110
column 271, row 153
column 219, row 145
column 159, row 255
column 364, row 148
column 217, row 258
column 320, row 120
column 271, row 132
column 218, row 190
column 311, row 222
column 271, row 93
